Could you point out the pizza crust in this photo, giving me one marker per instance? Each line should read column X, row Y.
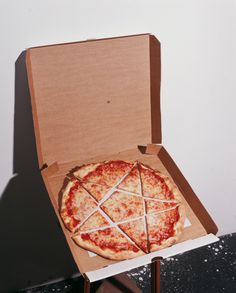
column 107, row 253
column 63, row 212
column 84, row 170
column 65, row 194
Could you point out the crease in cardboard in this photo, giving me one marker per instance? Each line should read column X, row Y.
column 50, row 170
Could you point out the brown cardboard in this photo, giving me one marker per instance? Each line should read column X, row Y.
column 155, row 86
column 99, row 100
column 84, row 93
column 201, row 221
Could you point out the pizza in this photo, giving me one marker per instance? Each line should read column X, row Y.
column 121, row 210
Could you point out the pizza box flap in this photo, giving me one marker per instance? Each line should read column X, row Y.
column 94, row 97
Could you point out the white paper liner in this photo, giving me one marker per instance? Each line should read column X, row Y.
column 187, row 223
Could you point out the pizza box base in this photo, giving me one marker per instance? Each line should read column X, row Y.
column 193, row 236
column 75, row 89
column 127, row 265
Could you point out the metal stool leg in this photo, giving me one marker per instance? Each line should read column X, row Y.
column 156, row 274
column 86, row 285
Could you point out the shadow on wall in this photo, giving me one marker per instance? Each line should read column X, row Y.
column 32, row 246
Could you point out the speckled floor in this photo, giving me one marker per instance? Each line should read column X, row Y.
column 210, row 269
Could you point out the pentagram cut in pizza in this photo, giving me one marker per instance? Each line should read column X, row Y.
column 120, row 209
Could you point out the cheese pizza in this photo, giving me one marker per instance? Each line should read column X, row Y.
column 121, row 210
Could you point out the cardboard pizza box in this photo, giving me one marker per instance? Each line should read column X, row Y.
column 100, row 100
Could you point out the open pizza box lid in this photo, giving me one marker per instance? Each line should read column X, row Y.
column 99, row 100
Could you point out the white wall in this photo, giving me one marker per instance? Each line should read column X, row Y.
column 198, row 78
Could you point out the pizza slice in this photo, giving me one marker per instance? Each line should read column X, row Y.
column 165, row 228
column 153, row 206
column 96, row 220
column 107, row 173
column 122, row 206
column 77, row 204
column 109, row 243
column 154, row 185
column 98, row 191
column 137, row 231
column 131, row 182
